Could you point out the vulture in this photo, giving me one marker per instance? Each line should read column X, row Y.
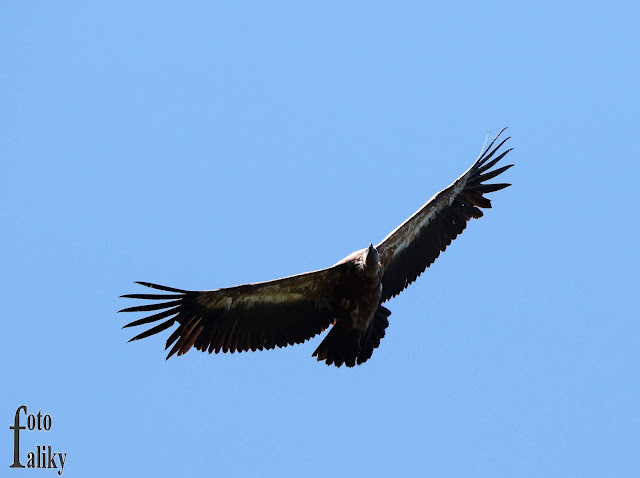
column 346, row 297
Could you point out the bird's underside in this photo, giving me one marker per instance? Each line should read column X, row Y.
column 346, row 297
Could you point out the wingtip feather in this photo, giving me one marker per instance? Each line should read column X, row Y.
column 161, row 287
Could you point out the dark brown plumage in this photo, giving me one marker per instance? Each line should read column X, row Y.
column 347, row 297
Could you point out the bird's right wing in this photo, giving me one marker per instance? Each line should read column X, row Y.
column 412, row 247
column 246, row 317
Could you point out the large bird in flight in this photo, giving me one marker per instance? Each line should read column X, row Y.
column 347, row 296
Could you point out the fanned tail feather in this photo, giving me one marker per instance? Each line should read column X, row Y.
column 375, row 333
column 344, row 345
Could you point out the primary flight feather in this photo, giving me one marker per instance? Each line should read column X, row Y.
column 347, row 297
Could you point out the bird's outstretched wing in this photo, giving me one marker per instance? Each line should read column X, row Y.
column 415, row 245
column 247, row 317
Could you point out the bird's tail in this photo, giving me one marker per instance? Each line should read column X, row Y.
column 344, row 345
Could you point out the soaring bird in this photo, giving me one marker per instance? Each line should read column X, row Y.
column 347, row 296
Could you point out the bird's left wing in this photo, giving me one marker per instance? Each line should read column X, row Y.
column 415, row 244
column 246, row 317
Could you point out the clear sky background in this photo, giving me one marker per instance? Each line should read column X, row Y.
column 203, row 145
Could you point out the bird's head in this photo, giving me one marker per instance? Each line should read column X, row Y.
column 371, row 261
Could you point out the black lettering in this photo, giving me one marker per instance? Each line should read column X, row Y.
column 47, row 422
column 39, row 420
column 62, row 460
column 16, row 437
column 31, row 422
column 52, row 459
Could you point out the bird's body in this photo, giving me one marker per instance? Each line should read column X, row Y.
column 347, row 297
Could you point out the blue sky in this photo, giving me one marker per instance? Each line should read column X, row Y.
column 205, row 145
